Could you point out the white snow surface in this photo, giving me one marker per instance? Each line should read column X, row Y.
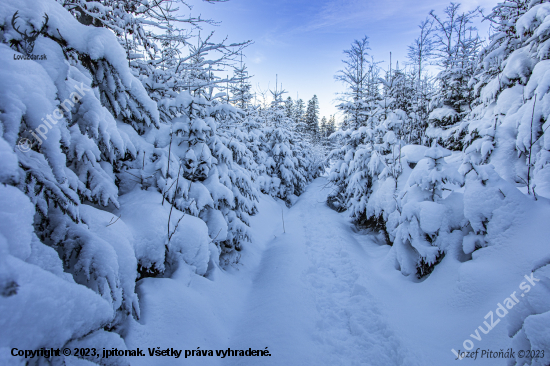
column 317, row 292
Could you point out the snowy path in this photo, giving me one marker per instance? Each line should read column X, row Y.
column 304, row 294
column 321, row 294
column 308, row 303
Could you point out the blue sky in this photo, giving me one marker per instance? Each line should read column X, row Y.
column 303, row 41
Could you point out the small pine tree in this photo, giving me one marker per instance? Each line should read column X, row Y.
column 240, row 87
column 331, row 126
column 289, row 108
column 312, row 118
column 323, row 129
column 457, row 46
column 299, row 117
column 428, row 224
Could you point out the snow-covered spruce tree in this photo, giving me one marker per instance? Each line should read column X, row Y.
column 206, row 169
column 289, row 108
column 359, row 106
column 240, row 88
column 110, row 191
column 213, row 181
column 255, row 140
column 372, row 173
column 237, row 172
column 330, row 128
column 69, row 107
column 417, row 84
column 205, row 178
column 244, row 124
column 369, row 164
column 429, row 223
column 323, row 130
column 311, row 153
column 312, row 119
column 286, row 167
column 507, row 148
column 493, row 161
column 456, row 47
column 488, row 200
column 299, row 116
column 512, row 99
column 355, row 142
column 355, row 78
column 376, row 168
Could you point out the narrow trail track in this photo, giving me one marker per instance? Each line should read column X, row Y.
column 311, row 276
column 305, row 292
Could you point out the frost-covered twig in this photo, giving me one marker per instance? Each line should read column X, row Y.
column 112, row 223
column 216, row 236
column 283, row 217
column 172, row 206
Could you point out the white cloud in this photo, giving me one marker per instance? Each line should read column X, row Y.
column 360, row 13
column 352, row 13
